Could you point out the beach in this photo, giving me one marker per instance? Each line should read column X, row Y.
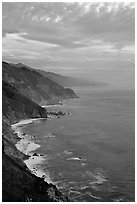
column 28, row 147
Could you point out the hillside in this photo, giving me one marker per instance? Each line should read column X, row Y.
column 16, row 106
column 35, row 86
column 18, row 183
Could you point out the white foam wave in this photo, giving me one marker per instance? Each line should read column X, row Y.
column 27, row 147
column 84, row 187
column 33, row 162
column 75, row 158
column 93, row 196
column 52, row 105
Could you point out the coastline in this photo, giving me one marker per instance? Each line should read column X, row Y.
column 27, row 147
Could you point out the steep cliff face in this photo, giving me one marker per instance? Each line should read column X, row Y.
column 16, row 106
column 18, row 184
column 32, row 84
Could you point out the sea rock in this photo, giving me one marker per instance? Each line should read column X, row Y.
column 35, row 154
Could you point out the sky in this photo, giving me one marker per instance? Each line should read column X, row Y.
column 91, row 40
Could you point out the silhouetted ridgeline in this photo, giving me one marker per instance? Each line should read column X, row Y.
column 22, row 92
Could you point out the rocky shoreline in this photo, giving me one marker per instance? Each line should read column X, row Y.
column 36, row 185
column 28, row 147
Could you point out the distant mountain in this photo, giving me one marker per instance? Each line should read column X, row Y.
column 64, row 81
column 69, row 81
column 34, row 85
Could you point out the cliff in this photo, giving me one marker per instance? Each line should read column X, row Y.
column 18, row 183
column 35, row 86
column 16, row 106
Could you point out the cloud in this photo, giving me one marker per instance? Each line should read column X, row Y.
column 15, row 46
column 64, row 23
column 69, row 35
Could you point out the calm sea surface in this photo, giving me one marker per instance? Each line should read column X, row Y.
column 90, row 152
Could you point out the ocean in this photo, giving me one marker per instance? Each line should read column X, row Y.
column 89, row 153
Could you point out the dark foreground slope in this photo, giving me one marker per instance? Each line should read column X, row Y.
column 18, row 184
column 37, row 87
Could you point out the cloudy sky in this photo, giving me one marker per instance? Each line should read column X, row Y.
column 94, row 40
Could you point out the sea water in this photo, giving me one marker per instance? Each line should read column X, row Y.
column 90, row 152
